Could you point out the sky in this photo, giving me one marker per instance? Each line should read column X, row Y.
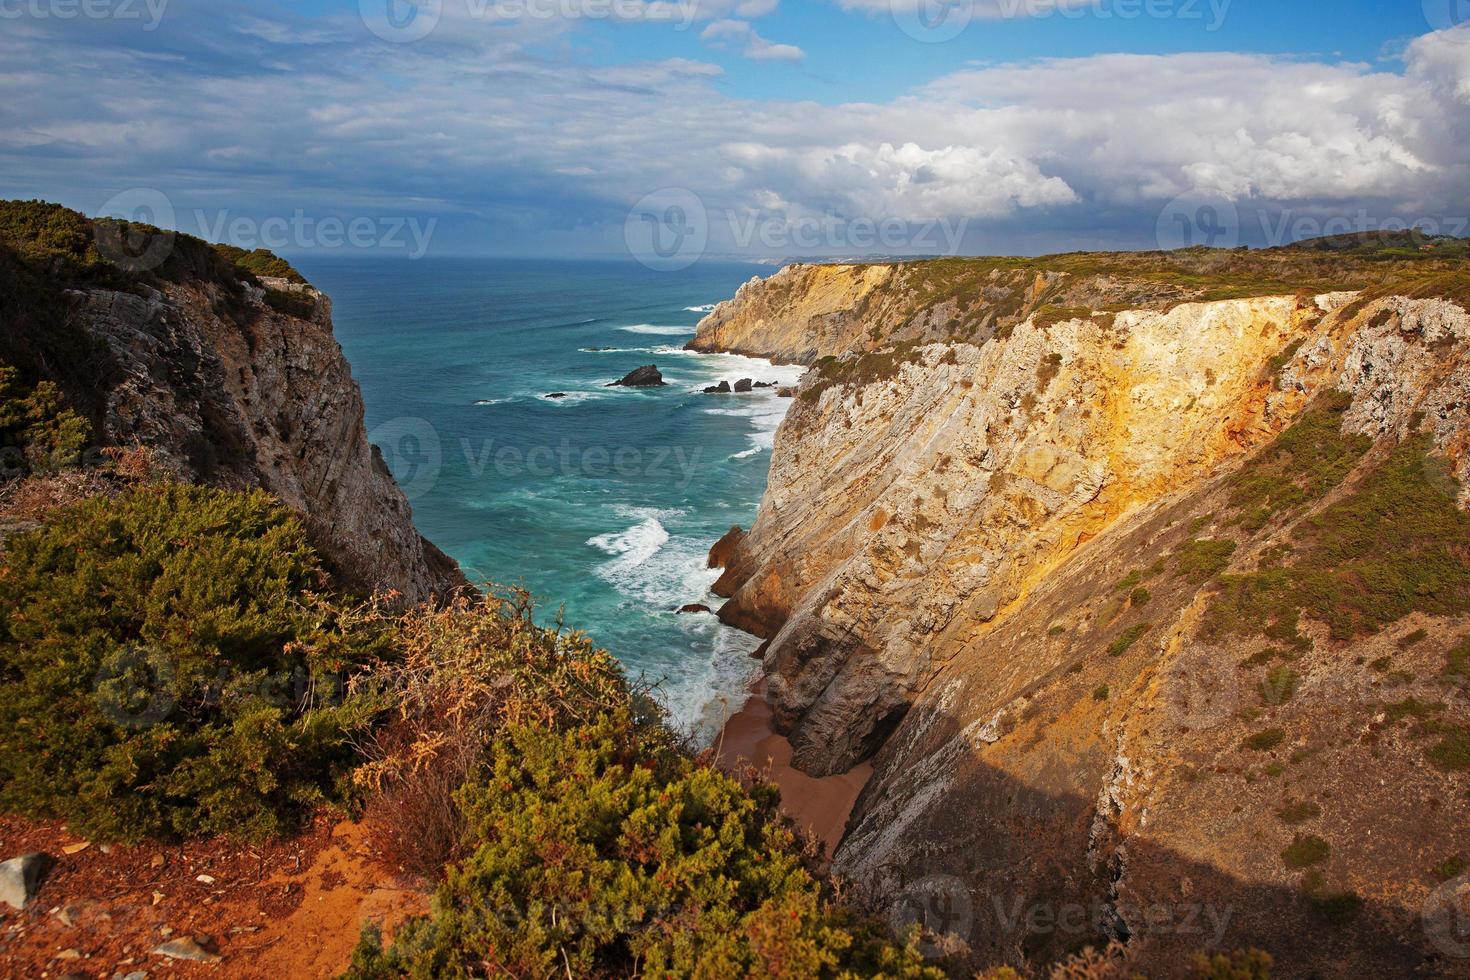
column 674, row 130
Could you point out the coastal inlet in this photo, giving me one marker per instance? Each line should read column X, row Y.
column 606, row 497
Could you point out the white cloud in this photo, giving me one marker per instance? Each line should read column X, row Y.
column 750, row 43
column 480, row 125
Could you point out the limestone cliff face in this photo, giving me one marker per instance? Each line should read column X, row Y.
column 936, row 566
column 261, row 398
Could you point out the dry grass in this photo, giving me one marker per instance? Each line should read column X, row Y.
column 466, row 672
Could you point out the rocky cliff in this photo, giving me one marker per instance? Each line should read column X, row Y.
column 229, row 377
column 1143, row 587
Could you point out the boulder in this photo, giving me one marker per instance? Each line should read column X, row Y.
column 744, row 385
column 786, row 392
column 765, row 384
column 20, row 878
column 644, row 377
column 723, row 388
column 695, row 607
column 557, row 394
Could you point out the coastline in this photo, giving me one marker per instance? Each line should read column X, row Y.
column 819, row 806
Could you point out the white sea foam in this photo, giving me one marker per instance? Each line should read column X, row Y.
column 633, row 547
column 485, row 402
column 662, row 570
column 649, row 328
column 573, row 398
column 701, row 693
column 706, row 308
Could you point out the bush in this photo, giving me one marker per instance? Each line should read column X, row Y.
column 465, row 672
column 1203, row 559
column 38, row 433
column 598, row 854
column 1280, row 685
column 1125, row 640
column 1306, row 850
column 1265, row 741
column 165, row 669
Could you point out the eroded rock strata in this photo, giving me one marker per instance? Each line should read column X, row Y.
column 1016, row 551
column 246, row 387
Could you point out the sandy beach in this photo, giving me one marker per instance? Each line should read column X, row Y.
column 819, row 805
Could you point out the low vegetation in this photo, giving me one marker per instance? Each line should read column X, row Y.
column 1306, row 461
column 600, row 854
column 1393, row 545
column 38, row 433
column 1125, row 640
column 170, row 666
column 174, row 663
column 1306, row 850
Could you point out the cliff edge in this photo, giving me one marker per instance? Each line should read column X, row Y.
column 1140, row 579
column 232, row 377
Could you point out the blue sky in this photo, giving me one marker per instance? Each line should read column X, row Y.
column 749, row 128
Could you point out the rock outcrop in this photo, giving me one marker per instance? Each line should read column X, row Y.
column 229, row 378
column 644, row 377
column 975, row 565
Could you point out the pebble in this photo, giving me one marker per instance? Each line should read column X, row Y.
column 20, row 879
column 206, row 879
column 186, row 949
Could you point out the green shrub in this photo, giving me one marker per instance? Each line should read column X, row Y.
column 1127, row 638
column 1306, row 850
column 1265, row 741
column 299, row 305
column 261, row 262
column 165, row 670
column 37, row 431
column 1203, row 559
column 1449, row 869
column 461, row 673
column 1457, row 664
column 1139, row 597
column 1101, row 692
column 597, row 857
column 1413, row 639
column 1394, row 545
column 1452, row 754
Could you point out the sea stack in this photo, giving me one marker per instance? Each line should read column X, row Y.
column 644, row 377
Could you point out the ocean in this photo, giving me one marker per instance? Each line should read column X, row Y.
column 603, row 503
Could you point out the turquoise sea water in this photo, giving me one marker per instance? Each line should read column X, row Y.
column 605, row 502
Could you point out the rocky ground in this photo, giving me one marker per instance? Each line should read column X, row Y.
column 290, row 908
